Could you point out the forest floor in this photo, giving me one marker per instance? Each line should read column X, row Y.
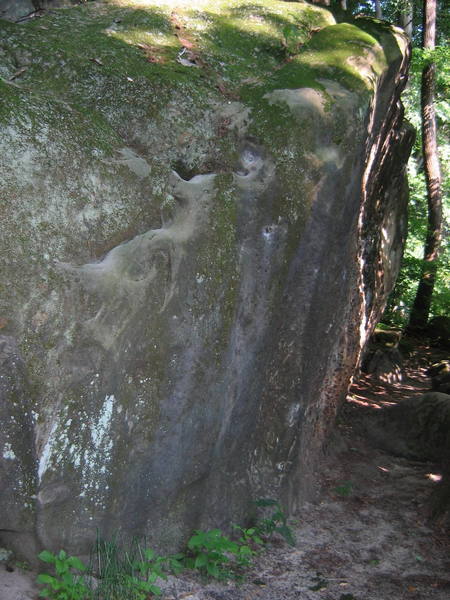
column 368, row 538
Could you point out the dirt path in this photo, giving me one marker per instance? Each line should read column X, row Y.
column 368, row 539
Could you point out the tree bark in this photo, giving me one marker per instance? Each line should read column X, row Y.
column 406, row 18
column 422, row 303
column 378, row 11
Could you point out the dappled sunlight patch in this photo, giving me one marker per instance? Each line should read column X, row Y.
column 140, row 36
column 362, row 401
column 157, row 46
column 393, row 377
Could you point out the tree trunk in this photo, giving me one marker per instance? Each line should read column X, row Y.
column 421, row 307
column 406, row 18
column 378, row 11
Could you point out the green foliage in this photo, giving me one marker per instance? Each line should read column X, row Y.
column 214, row 554
column 250, row 536
column 120, row 573
column 402, row 298
column 295, row 35
column 345, row 489
column 65, row 585
column 291, row 38
column 131, row 572
column 276, row 522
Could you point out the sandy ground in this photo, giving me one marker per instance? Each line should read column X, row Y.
column 369, row 538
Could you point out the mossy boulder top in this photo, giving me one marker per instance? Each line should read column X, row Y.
column 203, row 210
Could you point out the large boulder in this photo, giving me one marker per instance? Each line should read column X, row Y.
column 382, row 357
column 20, row 10
column 203, row 210
column 417, row 428
column 16, row 9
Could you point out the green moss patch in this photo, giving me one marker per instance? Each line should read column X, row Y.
column 99, row 55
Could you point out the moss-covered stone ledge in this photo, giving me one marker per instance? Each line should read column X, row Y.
column 203, row 209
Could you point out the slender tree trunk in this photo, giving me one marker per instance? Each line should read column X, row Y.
column 421, row 307
column 406, row 18
column 378, row 11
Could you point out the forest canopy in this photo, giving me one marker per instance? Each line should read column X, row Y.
column 409, row 14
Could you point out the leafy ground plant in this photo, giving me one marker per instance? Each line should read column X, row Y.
column 212, row 553
column 65, row 585
column 116, row 572
column 216, row 555
column 249, row 536
column 345, row 489
column 277, row 522
column 119, row 571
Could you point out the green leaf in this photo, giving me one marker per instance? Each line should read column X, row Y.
column 196, row 540
column 154, row 589
column 201, row 560
column 212, row 570
column 45, row 578
column 68, row 579
column 61, row 566
column 178, row 556
column 76, row 563
column 245, row 551
column 47, row 556
column 149, row 554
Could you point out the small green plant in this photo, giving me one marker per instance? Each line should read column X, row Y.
column 118, row 572
column 65, row 585
column 174, row 563
column 277, row 522
column 249, row 536
column 144, row 573
column 23, row 565
column 292, row 39
column 345, row 489
column 295, row 35
column 211, row 553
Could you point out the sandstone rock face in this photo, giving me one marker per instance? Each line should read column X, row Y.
column 199, row 229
